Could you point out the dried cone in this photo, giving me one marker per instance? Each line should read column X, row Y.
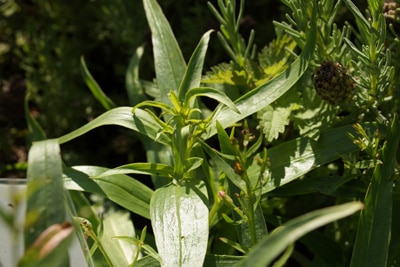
column 332, row 82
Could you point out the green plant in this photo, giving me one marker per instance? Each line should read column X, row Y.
column 286, row 159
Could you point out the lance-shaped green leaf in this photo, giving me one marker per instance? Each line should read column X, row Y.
column 179, row 217
column 45, row 191
column 361, row 21
column 141, row 121
column 270, row 91
column 133, row 85
column 168, row 59
column 223, row 166
column 121, row 189
column 374, row 229
column 36, row 132
column 194, row 70
column 294, row 158
column 94, row 87
column 265, row 252
column 157, row 169
column 121, row 253
column 211, row 93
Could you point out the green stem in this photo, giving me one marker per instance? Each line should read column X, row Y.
column 249, row 202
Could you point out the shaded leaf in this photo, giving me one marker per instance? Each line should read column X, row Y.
column 371, row 247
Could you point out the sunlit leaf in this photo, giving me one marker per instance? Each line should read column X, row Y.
column 123, row 190
column 179, row 216
column 194, row 70
column 168, row 60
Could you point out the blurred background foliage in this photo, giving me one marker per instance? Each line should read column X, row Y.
column 40, row 46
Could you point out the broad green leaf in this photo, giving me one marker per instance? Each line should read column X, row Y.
column 270, row 91
column 210, row 261
column 141, row 121
column 94, row 87
column 211, row 93
column 194, row 70
column 168, row 59
column 121, row 253
column 266, row 251
column 295, row 158
column 394, row 252
column 371, row 247
column 133, row 85
column 329, row 185
column 179, row 216
column 45, row 191
column 157, row 169
column 121, row 189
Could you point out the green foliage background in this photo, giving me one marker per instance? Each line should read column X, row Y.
column 41, row 43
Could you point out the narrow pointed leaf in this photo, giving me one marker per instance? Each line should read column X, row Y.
column 36, row 132
column 141, row 121
column 168, row 59
column 294, row 158
column 211, row 93
column 224, row 167
column 157, row 169
column 121, row 253
column 95, row 88
column 265, row 252
column 132, row 83
column 179, row 216
column 194, row 70
column 121, row 189
column 371, row 247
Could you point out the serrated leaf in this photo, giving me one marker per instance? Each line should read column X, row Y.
column 270, row 91
column 179, row 218
column 273, row 121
